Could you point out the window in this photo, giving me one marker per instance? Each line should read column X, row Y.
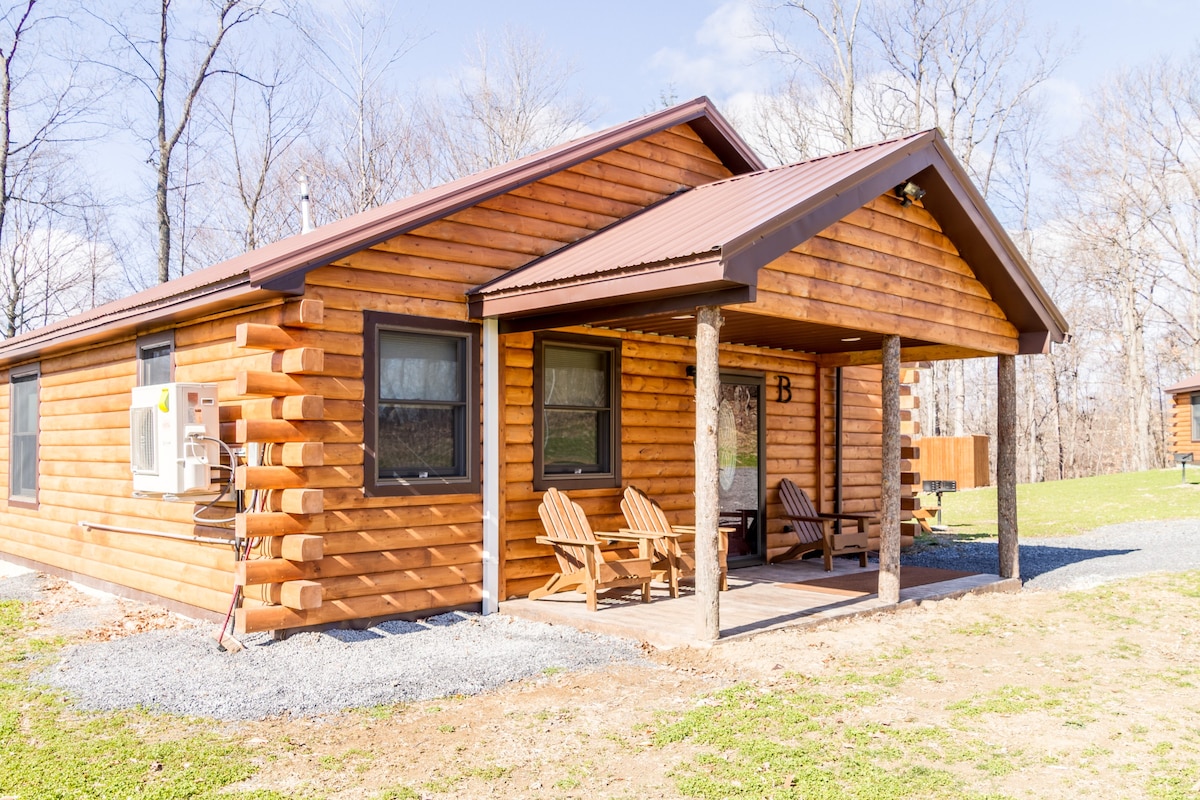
column 576, row 419
column 155, row 358
column 23, row 428
column 422, row 417
column 1196, row 417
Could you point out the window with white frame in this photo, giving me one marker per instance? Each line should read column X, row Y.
column 23, row 433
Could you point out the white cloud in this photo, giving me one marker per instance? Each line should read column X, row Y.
column 723, row 61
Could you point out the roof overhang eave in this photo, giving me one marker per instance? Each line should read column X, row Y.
column 661, row 284
column 215, row 297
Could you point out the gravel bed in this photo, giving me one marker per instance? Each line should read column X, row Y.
column 25, row 586
column 1079, row 562
column 310, row 674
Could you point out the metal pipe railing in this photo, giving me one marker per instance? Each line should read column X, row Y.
column 161, row 534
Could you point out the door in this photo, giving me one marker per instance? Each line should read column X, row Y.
column 741, row 477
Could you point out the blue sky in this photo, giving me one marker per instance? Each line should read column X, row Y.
column 627, row 52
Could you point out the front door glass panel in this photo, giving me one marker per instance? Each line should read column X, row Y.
column 740, row 466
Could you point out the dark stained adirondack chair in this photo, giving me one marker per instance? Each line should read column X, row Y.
column 815, row 531
column 675, row 547
column 582, row 564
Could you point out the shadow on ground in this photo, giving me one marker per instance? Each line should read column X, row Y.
column 983, row 557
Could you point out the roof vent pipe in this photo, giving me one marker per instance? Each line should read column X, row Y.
column 305, row 206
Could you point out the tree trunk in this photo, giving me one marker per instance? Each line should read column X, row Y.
column 708, row 392
column 889, row 533
column 1006, row 464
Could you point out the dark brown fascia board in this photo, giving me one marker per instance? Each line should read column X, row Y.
column 629, row 309
column 756, row 248
column 1034, row 343
column 344, row 239
column 599, row 288
column 728, row 145
column 172, row 309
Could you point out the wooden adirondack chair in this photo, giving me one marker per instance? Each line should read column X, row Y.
column 582, row 564
column 815, row 531
column 675, row 547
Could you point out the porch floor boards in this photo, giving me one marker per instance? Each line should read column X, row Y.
column 756, row 602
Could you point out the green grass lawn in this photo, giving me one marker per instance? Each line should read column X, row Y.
column 50, row 750
column 1066, row 508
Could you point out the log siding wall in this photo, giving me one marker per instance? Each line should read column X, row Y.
column 887, row 269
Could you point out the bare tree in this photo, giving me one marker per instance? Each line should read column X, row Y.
column 46, row 109
column 1115, row 246
column 969, row 67
column 514, row 98
column 259, row 125
column 171, row 69
column 829, row 68
column 364, row 160
column 54, row 256
column 1159, row 107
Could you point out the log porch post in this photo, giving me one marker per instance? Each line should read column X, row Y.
column 708, row 393
column 1006, row 465
column 889, row 534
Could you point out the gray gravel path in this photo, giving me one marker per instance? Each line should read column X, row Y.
column 1084, row 561
column 311, row 674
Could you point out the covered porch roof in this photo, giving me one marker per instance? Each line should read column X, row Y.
column 706, row 247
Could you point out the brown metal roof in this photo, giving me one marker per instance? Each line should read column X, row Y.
column 700, row 224
column 280, row 267
column 1187, row 385
column 716, row 237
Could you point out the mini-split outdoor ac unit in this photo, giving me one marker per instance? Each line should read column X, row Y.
column 165, row 451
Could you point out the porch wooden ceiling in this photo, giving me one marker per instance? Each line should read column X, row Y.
column 760, row 330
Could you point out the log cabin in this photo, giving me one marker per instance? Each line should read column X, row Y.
column 1184, row 430
column 393, row 391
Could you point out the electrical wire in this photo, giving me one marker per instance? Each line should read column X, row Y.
column 227, row 487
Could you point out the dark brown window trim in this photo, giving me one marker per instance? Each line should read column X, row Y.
column 373, row 322
column 607, row 480
column 153, row 341
column 17, row 373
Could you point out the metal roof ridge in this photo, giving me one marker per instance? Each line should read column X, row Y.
column 824, row 157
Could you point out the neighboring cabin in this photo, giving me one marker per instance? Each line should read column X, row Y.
column 407, row 381
column 1185, row 416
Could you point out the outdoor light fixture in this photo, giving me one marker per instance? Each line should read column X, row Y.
column 852, row 339
column 908, row 192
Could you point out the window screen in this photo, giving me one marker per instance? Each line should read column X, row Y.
column 576, row 414
column 23, row 467
column 422, row 406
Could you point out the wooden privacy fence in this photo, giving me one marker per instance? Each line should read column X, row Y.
column 955, row 458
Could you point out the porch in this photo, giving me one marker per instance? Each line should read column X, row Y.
column 761, row 598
